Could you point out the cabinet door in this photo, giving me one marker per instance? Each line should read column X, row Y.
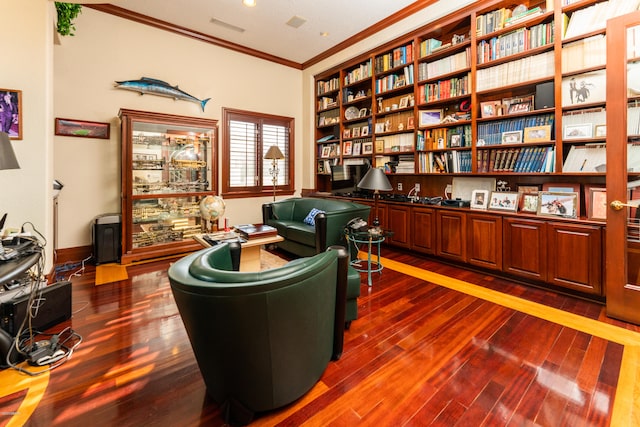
column 524, row 248
column 398, row 222
column 423, row 230
column 451, row 235
column 575, row 257
column 484, row 240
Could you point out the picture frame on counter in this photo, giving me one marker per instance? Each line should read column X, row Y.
column 558, row 204
column 503, row 201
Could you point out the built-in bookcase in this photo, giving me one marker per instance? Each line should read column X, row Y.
column 513, row 88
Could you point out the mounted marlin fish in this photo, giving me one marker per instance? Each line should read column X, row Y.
column 159, row 87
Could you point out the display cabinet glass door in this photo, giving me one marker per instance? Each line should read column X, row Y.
column 620, row 204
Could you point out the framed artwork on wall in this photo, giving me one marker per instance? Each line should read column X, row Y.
column 11, row 112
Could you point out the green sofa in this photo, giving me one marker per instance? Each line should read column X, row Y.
column 301, row 239
column 261, row 339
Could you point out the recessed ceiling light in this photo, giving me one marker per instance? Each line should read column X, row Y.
column 324, row 34
column 249, row 3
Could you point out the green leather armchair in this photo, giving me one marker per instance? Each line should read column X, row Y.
column 261, row 339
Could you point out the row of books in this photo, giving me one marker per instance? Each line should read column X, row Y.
column 595, row 17
column 406, row 164
column 586, row 158
column 429, row 46
column 328, row 86
column 402, row 142
column 447, row 65
column 585, row 53
column 445, row 162
column 393, row 81
column 399, row 56
column 327, row 102
column 537, row 159
column 440, row 138
column 517, row 41
column 363, row 71
column 444, row 89
column 532, row 67
column 492, row 21
column 491, row 132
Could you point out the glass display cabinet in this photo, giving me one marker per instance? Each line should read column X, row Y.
column 168, row 166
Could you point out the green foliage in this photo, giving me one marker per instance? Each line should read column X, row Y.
column 67, row 12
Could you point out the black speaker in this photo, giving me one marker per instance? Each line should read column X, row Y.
column 545, row 97
column 53, row 307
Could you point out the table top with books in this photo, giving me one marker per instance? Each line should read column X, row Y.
column 246, row 234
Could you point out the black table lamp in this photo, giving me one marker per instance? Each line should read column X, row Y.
column 7, row 156
column 376, row 180
column 274, row 154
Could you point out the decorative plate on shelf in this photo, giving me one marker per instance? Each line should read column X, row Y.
column 351, row 113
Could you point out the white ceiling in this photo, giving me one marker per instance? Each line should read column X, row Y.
column 265, row 25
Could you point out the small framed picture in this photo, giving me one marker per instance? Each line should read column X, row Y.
column 596, row 203
column 11, row 112
column 479, row 199
column 379, row 146
column 529, row 202
column 551, row 203
column 504, row 201
column 367, row 148
column 355, row 132
column 404, row 102
column 364, row 131
column 82, row 128
column 326, row 150
column 512, row 137
column 379, row 128
column 429, row 117
column 347, row 148
column 522, row 107
column 537, row 133
column 566, row 187
column 346, row 133
column 600, row 131
column 411, row 122
column 363, row 112
column 356, row 148
column 488, row 109
column 581, row 131
column 456, row 140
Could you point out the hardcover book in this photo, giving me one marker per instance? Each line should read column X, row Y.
column 254, row 231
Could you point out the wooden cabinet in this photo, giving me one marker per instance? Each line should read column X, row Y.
column 525, row 248
column 398, row 221
column 451, row 235
column 168, row 166
column 423, row 230
column 575, row 257
column 484, row 240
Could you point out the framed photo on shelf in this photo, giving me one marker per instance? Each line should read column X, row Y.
column 347, row 148
column 404, row 102
column 411, row 122
column 379, row 128
column 363, row 112
column 564, row 188
column 379, row 146
column 346, row 133
column 488, row 109
column 356, row 148
column 529, row 202
column 596, row 203
column 503, row 201
column 355, row 132
column 585, row 88
column 456, row 140
column 364, row 131
column 552, row 203
column 512, row 137
column 581, row 131
column 429, row 117
column 537, row 133
column 11, row 106
column 521, row 107
column 367, row 148
column 326, row 150
column 600, row 131
column 479, row 199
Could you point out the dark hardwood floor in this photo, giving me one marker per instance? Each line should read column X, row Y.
column 420, row 354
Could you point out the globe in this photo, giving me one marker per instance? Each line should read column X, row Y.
column 212, row 207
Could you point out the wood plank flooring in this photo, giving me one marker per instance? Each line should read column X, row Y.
column 430, row 348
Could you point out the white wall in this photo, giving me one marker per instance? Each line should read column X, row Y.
column 106, row 48
column 26, row 65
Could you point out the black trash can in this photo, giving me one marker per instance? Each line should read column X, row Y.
column 106, row 238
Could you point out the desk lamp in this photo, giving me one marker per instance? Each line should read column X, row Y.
column 274, row 154
column 376, row 180
column 7, row 156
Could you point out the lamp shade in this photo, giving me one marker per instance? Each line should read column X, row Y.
column 7, row 156
column 274, row 153
column 375, row 179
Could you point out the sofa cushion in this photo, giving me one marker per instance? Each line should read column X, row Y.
column 310, row 219
column 302, row 233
